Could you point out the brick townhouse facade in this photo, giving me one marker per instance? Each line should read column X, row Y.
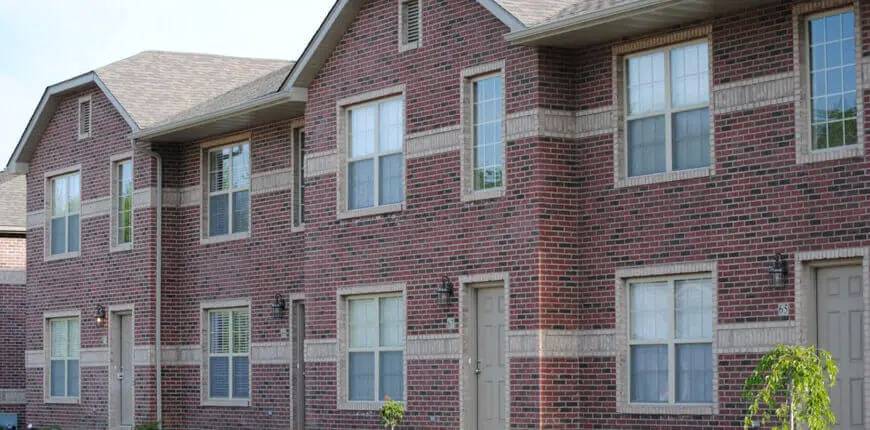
column 12, row 280
column 523, row 214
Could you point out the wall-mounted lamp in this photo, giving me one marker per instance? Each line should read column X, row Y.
column 445, row 291
column 778, row 271
column 278, row 306
column 100, row 314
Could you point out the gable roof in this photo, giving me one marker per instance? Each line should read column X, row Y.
column 148, row 88
column 13, row 195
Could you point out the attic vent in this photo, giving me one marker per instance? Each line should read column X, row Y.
column 84, row 117
column 411, row 19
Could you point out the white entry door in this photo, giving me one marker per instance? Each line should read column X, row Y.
column 491, row 362
column 841, row 331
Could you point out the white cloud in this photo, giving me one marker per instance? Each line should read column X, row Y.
column 46, row 41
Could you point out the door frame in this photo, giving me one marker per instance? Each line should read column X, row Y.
column 113, row 407
column 292, row 301
column 468, row 286
column 806, row 315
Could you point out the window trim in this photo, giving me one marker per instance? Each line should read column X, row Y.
column 623, row 278
column 620, row 91
column 81, row 101
column 298, row 170
column 48, row 203
column 206, row 148
column 114, row 162
column 344, row 296
column 802, row 13
column 47, row 318
column 403, row 45
column 343, row 108
column 468, row 77
column 205, row 390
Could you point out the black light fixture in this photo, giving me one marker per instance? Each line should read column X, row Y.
column 100, row 314
column 778, row 271
column 278, row 306
column 445, row 291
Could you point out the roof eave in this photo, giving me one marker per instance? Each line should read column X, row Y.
column 513, row 23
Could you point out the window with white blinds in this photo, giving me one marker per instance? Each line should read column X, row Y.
column 229, row 348
column 375, row 161
column 376, row 345
column 63, row 371
column 84, row 122
column 671, row 340
column 411, row 22
column 229, row 189
column 65, row 213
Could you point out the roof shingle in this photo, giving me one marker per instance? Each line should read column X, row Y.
column 536, row 12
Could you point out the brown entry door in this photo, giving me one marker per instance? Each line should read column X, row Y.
column 841, row 331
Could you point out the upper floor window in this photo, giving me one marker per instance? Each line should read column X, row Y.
column 229, row 349
column 833, row 96
column 65, row 213
column 488, row 127
column 375, row 160
column 667, row 110
column 84, row 117
column 376, row 343
column 298, row 177
column 670, row 340
column 123, row 207
column 63, row 372
column 410, row 24
column 229, row 186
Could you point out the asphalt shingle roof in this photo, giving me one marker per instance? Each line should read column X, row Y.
column 153, row 86
column 537, row 12
column 13, row 195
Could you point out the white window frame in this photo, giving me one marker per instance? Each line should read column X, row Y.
column 208, row 237
column 623, row 278
column 298, row 212
column 803, row 13
column 345, row 295
column 671, row 342
column 48, row 319
column 116, row 162
column 222, row 306
column 468, row 79
column 404, row 45
column 343, row 108
column 669, row 110
column 82, row 101
column 377, row 349
column 50, row 178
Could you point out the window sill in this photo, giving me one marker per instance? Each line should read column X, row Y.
column 367, row 405
column 227, row 403
column 297, row 228
column 121, row 248
column 376, row 210
column 474, row 196
column 666, row 409
column 656, row 178
column 62, row 400
column 404, row 47
column 820, row 155
column 66, row 256
column 225, row 238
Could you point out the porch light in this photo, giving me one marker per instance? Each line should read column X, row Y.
column 778, row 272
column 445, row 291
column 100, row 314
column 278, row 306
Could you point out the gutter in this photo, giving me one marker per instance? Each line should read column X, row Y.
column 259, row 103
column 586, row 20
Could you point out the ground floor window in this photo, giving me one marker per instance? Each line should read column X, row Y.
column 229, row 348
column 376, row 342
column 63, row 373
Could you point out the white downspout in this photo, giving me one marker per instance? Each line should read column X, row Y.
column 158, row 278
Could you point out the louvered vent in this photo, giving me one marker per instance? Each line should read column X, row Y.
column 412, row 21
column 84, row 118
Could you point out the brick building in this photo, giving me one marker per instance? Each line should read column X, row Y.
column 12, row 279
column 524, row 214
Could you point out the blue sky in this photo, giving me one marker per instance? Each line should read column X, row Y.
column 43, row 42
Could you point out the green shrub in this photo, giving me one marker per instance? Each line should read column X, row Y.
column 148, row 426
column 392, row 414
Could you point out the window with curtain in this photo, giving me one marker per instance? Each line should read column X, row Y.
column 375, row 160
column 376, row 343
column 834, row 106
column 668, row 115
column 124, row 204
column 488, row 133
column 671, row 340
column 229, row 348
column 229, row 186
column 65, row 212
column 64, row 357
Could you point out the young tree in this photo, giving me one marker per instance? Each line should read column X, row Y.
column 792, row 381
column 392, row 413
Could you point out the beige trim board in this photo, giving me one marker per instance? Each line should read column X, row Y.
column 758, row 337
column 181, row 355
column 34, row 359
column 13, row 277
column 433, row 347
column 13, row 396
column 320, row 163
column 270, row 353
column 321, row 350
column 561, row 343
